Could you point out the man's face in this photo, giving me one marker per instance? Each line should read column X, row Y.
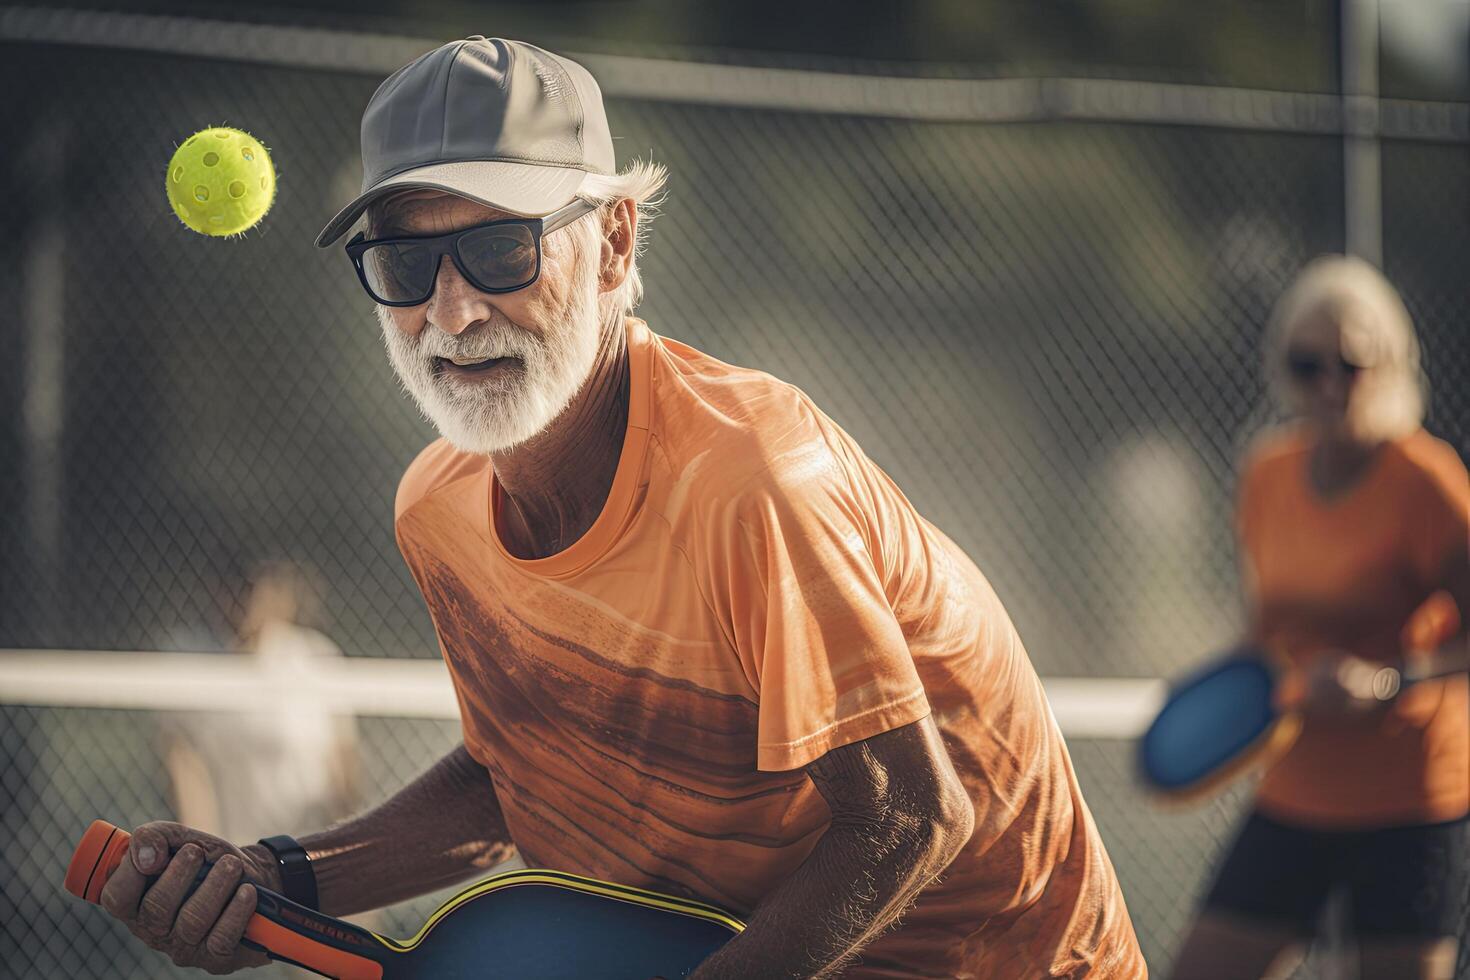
column 492, row 370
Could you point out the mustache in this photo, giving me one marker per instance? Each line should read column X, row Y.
column 490, row 339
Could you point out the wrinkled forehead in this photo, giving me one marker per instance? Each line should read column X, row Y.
column 428, row 212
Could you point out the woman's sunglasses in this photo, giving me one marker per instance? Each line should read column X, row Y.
column 1306, row 368
column 496, row 257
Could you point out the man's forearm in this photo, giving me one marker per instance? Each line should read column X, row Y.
column 442, row 827
column 853, row 886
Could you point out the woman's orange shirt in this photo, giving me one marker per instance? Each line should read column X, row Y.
column 1363, row 573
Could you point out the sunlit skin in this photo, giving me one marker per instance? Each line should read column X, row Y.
column 548, row 505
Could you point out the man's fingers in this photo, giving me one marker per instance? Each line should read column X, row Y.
column 201, row 910
column 152, row 844
column 123, row 891
column 161, row 902
column 229, row 929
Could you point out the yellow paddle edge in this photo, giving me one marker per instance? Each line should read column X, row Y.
column 577, row 883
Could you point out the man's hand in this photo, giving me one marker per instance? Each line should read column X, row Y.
column 150, row 893
column 434, row 832
column 899, row 816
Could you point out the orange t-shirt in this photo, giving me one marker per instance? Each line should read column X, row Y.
column 754, row 593
column 1362, row 573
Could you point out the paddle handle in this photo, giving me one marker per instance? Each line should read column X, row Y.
column 1391, row 680
column 284, row 930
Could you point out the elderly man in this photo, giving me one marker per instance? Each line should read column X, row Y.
column 701, row 643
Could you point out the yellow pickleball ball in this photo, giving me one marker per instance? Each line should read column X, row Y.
column 220, row 181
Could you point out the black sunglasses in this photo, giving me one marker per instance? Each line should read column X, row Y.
column 1306, row 368
column 496, row 257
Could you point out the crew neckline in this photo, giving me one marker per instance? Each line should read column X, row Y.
column 1356, row 491
column 617, row 508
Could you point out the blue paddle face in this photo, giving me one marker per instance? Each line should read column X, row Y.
column 552, row 933
column 1207, row 723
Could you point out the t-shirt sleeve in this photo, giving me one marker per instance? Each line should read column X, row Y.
column 796, row 585
column 1439, row 528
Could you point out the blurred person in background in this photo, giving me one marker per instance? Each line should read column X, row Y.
column 702, row 644
column 1354, row 529
column 240, row 775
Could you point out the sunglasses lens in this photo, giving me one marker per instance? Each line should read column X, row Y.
column 400, row 273
column 499, row 257
column 1304, row 368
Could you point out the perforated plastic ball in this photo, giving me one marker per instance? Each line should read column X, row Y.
column 220, row 181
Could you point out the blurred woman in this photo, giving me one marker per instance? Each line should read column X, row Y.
column 290, row 762
column 1354, row 527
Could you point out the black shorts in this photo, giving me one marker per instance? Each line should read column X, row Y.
column 1401, row 881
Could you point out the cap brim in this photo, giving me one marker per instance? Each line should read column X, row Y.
column 520, row 188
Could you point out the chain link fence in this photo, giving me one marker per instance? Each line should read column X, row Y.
column 1048, row 333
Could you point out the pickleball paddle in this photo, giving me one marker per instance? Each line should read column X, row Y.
column 526, row 925
column 1230, row 716
column 1216, row 723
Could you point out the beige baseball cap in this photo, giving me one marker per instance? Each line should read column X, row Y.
column 503, row 123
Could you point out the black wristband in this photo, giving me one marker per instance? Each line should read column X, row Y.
column 298, row 881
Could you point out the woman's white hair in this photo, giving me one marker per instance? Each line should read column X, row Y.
column 1377, row 333
column 642, row 181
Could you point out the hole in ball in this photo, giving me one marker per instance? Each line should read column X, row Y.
column 178, row 174
column 223, row 134
column 201, row 193
column 210, row 159
column 263, row 183
column 216, row 219
column 246, row 152
column 237, row 188
column 192, row 141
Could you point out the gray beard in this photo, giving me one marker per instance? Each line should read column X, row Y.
column 495, row 415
